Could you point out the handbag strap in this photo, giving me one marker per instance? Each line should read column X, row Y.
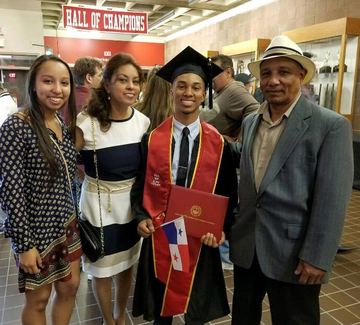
column 97, row 183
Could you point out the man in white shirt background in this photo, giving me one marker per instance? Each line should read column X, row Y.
column 7, row 107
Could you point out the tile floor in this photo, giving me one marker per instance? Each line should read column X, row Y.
column 340, row 299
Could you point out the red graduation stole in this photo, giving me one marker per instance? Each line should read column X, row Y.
column 158, row 182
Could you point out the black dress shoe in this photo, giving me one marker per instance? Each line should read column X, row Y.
column 343, row 248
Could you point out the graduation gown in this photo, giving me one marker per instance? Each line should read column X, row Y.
column 208, row 298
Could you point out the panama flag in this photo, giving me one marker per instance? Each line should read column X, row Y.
column 176, row 235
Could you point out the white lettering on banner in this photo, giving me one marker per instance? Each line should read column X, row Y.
column 74, row 22
column 93, row 20
column 88, row 18
column 105, row 24
column 95, row 17
column 76, row 19
column 84, row 18
column 116, row 26
column 121, row 22
column 68, row 17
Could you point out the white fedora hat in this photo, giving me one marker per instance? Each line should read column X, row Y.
column 283, row 46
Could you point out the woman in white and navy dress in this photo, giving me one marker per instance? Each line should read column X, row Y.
column 117, row 128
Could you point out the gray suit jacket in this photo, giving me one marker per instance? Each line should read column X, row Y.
column 300, row 208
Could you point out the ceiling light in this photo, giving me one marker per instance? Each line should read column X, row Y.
column 164, row 19
column 34, row 44
column 4, row 56
column 48, row 49
column 246, row 7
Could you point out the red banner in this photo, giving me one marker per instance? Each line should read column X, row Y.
column 105, row 20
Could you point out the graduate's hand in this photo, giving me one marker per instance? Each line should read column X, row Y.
column 145, row 228
column 309, row 273
column 210, row 240
column 30, row 261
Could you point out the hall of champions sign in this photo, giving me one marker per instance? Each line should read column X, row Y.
column 105, row 20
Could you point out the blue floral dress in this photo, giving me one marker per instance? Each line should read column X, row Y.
column 39, row 213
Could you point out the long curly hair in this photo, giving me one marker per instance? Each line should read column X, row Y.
column 157, row 102
column 98, row 105
column 34, row 114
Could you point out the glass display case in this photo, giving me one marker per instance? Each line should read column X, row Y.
column 334, row 48
column 245, row 52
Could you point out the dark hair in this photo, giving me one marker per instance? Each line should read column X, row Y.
column 98, row 105
column 226, row 62
column 157, row 102
column 83, row 66
column 244, row 78
column 34, row 114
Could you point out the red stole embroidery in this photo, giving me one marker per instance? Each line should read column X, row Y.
column 158, row 182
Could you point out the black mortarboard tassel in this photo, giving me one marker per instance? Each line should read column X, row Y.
column 210, row 83
column 191, row 61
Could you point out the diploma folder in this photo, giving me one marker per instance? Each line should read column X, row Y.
column 203, row 212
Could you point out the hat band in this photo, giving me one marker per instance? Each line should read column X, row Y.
column 280, row 51
column 279, row 55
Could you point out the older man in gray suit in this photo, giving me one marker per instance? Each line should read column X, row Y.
column 296, row 173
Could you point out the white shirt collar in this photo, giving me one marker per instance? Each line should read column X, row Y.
column 194, row 128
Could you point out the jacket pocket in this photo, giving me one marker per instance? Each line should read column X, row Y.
column 296, row 231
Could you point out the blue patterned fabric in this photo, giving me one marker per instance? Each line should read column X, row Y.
column 38, row 213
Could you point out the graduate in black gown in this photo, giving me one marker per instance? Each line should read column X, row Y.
column 161, row 291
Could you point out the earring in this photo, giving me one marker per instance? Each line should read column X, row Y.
column 108, row 97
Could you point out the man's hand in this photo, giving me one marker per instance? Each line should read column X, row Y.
column 309, row 274
column 30, row 261
column 145, row 228
column 210, row 240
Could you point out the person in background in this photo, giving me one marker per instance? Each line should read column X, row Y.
column 307, row 90
column 37, row 166
column 156, row 103
column 246, row 79
column 234, row 103
column 7, row 104
column 7, row 107
column 117, row 129
column 233, row 99
column 258, row 95
column 207, row 165
column 87, row 74
column 296, row 174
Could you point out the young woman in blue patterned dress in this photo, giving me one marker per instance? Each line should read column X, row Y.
column 118, row 129
column 37, row 162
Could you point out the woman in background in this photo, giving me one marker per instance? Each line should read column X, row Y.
column 117, row 129
column 156, row 103
column 37, row 166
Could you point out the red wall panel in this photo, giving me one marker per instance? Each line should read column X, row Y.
column 70, row 49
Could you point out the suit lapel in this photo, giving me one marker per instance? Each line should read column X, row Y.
column 293, row 131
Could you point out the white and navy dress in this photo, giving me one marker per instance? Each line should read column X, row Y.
column 118, row 160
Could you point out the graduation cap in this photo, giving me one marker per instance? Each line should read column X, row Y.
column 191, row 61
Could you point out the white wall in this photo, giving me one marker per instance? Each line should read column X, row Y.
column 22, row 25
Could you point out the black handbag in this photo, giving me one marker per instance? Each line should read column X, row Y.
column 91, row 240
